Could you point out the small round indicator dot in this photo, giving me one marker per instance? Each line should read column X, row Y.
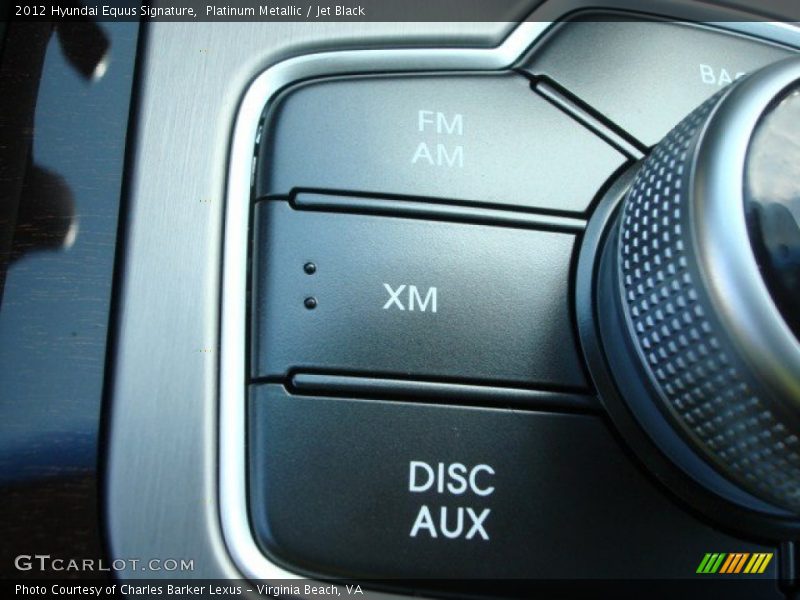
column 310, row 303
column 310, row 268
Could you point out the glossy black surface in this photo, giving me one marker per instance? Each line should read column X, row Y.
column 64, row 123
column 772, row 202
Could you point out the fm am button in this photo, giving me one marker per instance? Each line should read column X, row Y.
column 482, row 138
column 457, row 480
column 440, row 151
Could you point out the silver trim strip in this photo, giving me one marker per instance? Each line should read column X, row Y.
column 429, row 210
column 232, row 469
column 555, row 97
column 324, row 383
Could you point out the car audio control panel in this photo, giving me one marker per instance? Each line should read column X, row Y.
column 493, row 322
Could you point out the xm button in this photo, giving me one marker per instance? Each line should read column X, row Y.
column 408, row 298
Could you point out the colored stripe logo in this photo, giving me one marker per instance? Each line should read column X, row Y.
column 734, row 563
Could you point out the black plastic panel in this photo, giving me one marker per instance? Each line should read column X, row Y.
column 411, row 298
column 332, row 492
column 477, row 138
column 645, row 76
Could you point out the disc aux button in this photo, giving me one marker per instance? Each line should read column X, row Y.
column 377, row 489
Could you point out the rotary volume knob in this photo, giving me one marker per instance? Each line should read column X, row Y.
column 697, row 293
